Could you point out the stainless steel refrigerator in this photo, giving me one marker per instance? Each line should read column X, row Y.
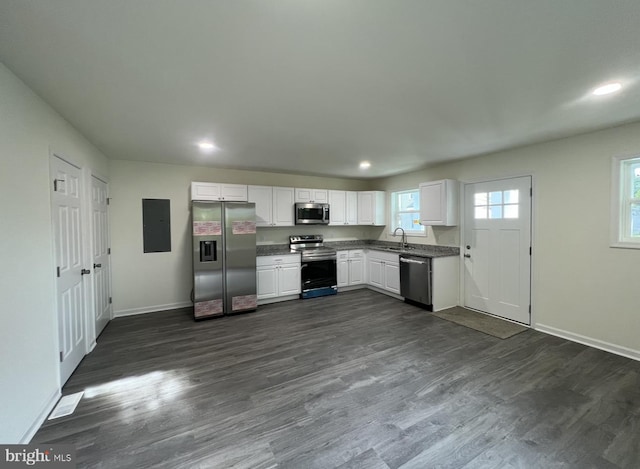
column 224, row 258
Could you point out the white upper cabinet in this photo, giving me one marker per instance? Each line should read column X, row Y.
column 283, row 206
column 343, row 206
column 371, row 208
column 312, row 195
column 352, row 207
column 337, row 208
column 218, row 191
column 439, row 202
column 274, row 205
column 262, row 196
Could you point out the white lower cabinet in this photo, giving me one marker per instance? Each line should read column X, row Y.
column 444, row 282
column 383, row 271
column 278, row 278
column 351, row 268
column 392, row 277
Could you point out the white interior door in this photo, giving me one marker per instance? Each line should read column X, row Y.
column 497, row 248
column 67, row 228
column 100, row 254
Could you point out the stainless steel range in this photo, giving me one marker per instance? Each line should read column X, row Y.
column 319, row 275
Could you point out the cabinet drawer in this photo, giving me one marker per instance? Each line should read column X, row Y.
column 277, row 260
column 356, row 254
column 384, row 256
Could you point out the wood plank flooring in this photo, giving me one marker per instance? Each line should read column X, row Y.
column 357, row 380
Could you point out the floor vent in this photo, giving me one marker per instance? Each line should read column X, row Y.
column 66, row 405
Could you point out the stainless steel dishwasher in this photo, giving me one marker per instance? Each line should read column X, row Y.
column 415, row 280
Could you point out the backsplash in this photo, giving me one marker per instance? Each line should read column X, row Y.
column 436, row 236
column 280, row 234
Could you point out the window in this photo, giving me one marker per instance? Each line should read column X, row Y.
column 405, row 212
column 625, row 204
column 495, row 205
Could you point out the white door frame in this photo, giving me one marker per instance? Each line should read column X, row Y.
column 461, row 208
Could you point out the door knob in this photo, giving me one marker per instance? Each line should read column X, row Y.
column 97, row 265
column 85, row 272
column 468, row 256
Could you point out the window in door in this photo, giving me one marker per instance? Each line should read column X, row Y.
column 626, row 202
column 405, row 212
column 496, row 204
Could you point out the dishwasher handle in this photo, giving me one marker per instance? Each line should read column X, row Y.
column 412, row 261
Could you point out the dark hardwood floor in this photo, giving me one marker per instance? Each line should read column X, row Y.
column 358, row 380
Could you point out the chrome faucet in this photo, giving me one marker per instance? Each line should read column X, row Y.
column 403, row 240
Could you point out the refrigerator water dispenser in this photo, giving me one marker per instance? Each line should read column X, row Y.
column 208, row 251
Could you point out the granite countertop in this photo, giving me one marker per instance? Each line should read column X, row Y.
column 422, row 250
column 273, row 249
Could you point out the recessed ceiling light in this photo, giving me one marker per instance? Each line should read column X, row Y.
column 607, row 89
column 207, row 146
column 365, row 165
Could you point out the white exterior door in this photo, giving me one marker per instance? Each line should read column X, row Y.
column 67, row 228
column 496, row 248
column 100, row 254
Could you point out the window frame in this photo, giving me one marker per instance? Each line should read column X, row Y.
column 503, row 204
column 621, row 202
column 393, row 211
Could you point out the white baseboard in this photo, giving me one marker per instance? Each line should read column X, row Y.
column 591, row 342
column 46, row 410
column 150, row 309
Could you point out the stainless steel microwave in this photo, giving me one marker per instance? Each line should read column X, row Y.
column 311, row 214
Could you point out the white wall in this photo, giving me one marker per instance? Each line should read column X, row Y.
column 155, row 281
column 29, row 129
column 582, row 288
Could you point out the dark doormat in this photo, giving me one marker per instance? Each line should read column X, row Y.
column 481, row 322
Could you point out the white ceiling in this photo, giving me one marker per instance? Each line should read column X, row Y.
column 316, row 86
